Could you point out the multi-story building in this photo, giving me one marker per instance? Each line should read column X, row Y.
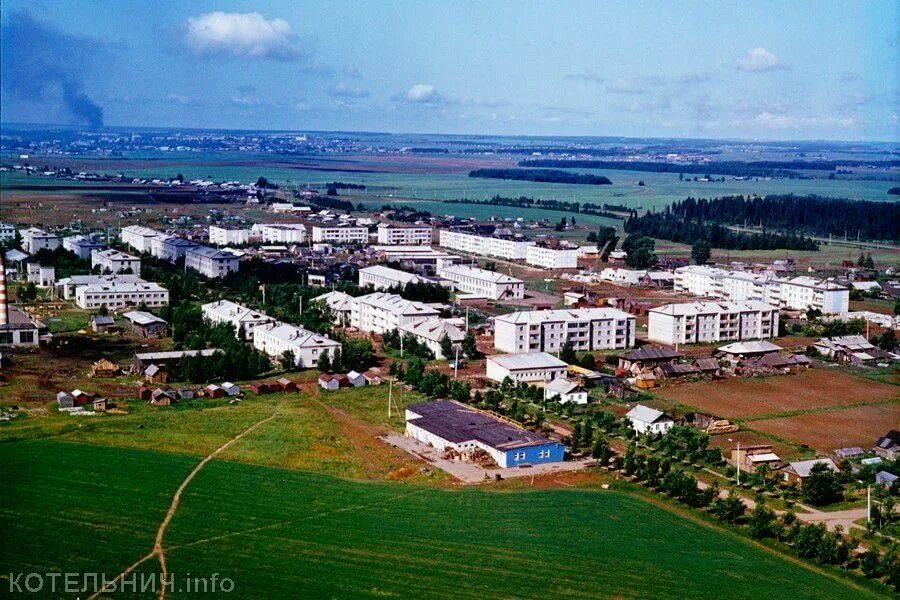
column 173, row 248
column 116, row 294
column 244, row 320
column 418, row 255
column 343, row 235
column 382, row 278
column 552, row 258
column 40, row 275
column 156, row 245
column 380, row 312
column 484, row 245
column 280, row 233
column 67, row 286
column 390, row 235
column 138, row 237
column 81, row 246
column 210, row 262
column 483, row 283
column 228, row 236
column 549, row 330
column 804, row 293
column 278, row 338
column 7, row 232
column 113, row 261
column 431, row 331
column 35, row 240
column 707, row 322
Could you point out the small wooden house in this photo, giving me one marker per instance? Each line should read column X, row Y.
column 102, row 323
column 373, row 376
column 145, row 392
column 231, row 389
column 261, row 387
column 163, row 397
column 214, row 391
column 356, row 379
column 65, row 400
column 104, row 368
column 155, row 374
column 145, row 324
column 286, row 385
column 797, row 472
column 100, row 404
column 81, row 397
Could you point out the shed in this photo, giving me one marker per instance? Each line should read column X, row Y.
column 65, row 400
column 373, row 376
column 886, row 479
column 163, row 397
column 155, row 374
column 81, row 397
column 231, row 389
column 286, row 385
column 327, row 381
column 214, row 391
column 102, row 323
column 100, row 404
column 187, row 392
column 356, row 379
column 564, row 391
column 849, row 453
column 146, row 324
column 261, row 387
column 104, row 368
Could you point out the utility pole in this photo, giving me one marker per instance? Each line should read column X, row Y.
column 868, row 504
column 390, row 396
column 400, row 333
column 456, row 364
column 739, row 463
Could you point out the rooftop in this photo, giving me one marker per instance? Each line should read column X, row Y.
column 393, row 274
column 483, row 274
column 575, row 314
column 705, row 308
column 753, row 347
column 435, row 329
column 396, row 304
column 142, row 317
column 645, row 414
column 528, row 360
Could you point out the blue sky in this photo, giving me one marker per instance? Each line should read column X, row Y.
column 761, row 70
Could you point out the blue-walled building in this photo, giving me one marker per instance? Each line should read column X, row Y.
column 446, row 424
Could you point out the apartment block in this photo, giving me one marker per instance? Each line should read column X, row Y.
column 117, row 294
column 244, row 320
column 380, row 277
column 114, row 261
column 228, row 236
column 708, row 322
column 804, row 293
column 81, row 246
column 380, row 312
column 210, row 262
column 138, row 237
column 552, row 258
column 344, row 235
column 34, row 240
column 484, row 245
column 549, row 330
column 390, row 235
column 483, row 283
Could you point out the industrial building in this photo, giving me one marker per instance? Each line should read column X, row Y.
column 447, row 425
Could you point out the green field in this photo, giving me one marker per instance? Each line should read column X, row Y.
column 283, row 533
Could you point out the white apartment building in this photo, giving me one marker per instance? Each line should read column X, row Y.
column 242, row 319
column 484, row 245
column 382, row 278
column 228, row 236
column 67, row 286
column 420, row 255
column 483, row 283
column 549, row 330
column 280, row 233
column 210, row 262
column 804, row 293
column 7, row 232
column 276, row 339
column 390, row 235
column 525, row 367
column 138, row 237
column 116, row 294
column 81, row 246
column 380, row 312
column 113, row 261
column 40, row 275
column 552, row 258
column 707, row 322
column 345, row 235
column 172, row 248
column 35, row 240
column 156, row 245
column 431, row 331
column 340, row 304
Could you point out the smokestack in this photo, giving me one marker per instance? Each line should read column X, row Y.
column 4, row 310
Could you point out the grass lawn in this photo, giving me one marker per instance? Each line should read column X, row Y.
column 283, row 533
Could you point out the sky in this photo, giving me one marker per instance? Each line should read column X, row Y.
column 723, row 69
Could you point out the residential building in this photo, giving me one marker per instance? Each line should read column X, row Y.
column 565, row 391
column 804, row 293
column 34, row 240
column 382, row 278
column 797, row 472
column 481, row 245
column 341, row 305
column 67, row 286
column 7, row 232
column 417, row 255
column 114, row 262
column 706, row 322
column 431, row 331
column 277, row 338
column 888, row 445
column 449, row 425
column 752, row 456
column 702, row 280
column 117, row 295
column 552, row 258
column 646, row 358
column 172, row 248
column 644, row 419
column 525, row 367
column 146, row 324
column 853, row 349
column 549, row 330
column 280, row 233
column 342, row 235
column 210, row 262
column 81, row 246
column 138, row 237
column 483, row 283
column 17, row 328
column 40, row 275
column 228, row 236
column 381, row 312
column 626, row 277
column 242, row 319
column 390, row 235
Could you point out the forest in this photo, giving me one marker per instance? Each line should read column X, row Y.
column 541, row 176
column 585, row 208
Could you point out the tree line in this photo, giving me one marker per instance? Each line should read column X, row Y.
column 541, row 176
column 586, row 208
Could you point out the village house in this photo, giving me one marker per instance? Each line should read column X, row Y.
column 646, row 358
column 644, row 419
column 888, row 445
column 753, row 456
column 104, row 368
column 853, row 349
column 102, row 323
column 145, row 324
column 565, row 391
column 797, row 472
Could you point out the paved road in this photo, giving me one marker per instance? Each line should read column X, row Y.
column 472, row 473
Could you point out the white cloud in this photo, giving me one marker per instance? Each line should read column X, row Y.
column 179, row 98
column 585, row 75
column 772, row 121
column 625, row 86
column 247, row 35
column 246, row 101
column 342, row 90
column 422, row 93
column 759, row 60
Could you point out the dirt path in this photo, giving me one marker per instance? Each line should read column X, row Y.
column 158, row 548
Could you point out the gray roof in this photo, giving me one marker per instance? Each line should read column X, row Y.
column 648, row 353
column 142, row 317
column 804, row 467
column 529, row 360
column 457, row 423
column 645, row 414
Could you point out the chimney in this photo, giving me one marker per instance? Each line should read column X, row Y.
column 4, row 311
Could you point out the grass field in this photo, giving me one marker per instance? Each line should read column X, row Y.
column 282, row 533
